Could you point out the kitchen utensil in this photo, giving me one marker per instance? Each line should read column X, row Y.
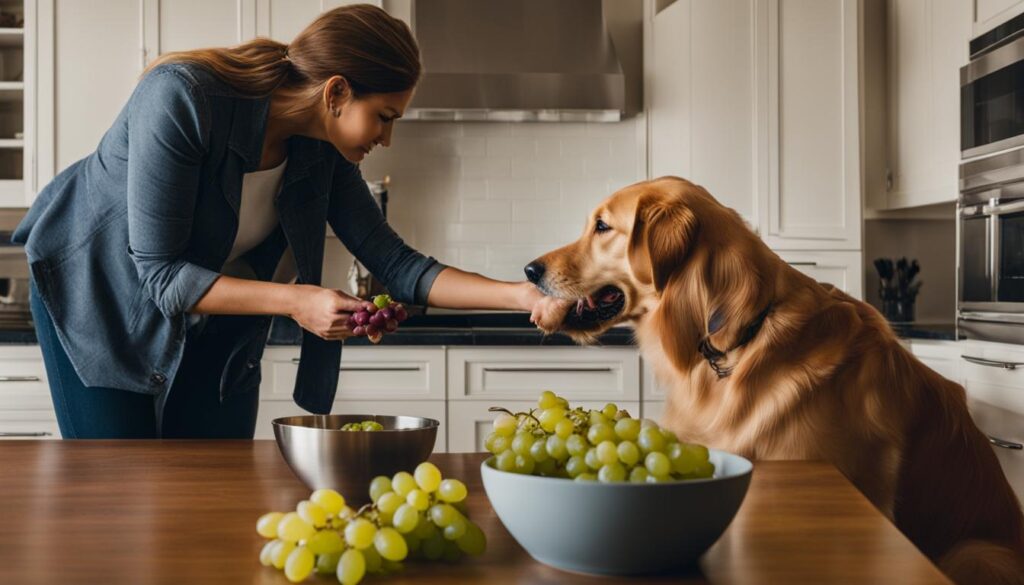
column 323, row 456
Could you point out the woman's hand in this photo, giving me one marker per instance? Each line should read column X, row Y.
column 325, row 312
column 547, row 313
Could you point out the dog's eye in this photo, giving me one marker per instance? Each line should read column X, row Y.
column 601, row 226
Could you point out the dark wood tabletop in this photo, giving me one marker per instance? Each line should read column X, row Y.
column 184, row 512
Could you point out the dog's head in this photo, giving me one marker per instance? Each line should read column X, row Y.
column 642, row 240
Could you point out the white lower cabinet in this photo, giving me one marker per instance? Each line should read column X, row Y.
column 470, row 421
column 389, row 380
column 497, row 374
column 843, row 269
column 366, row 373
column 993, row 373
column 940, row 355
column 26, row 409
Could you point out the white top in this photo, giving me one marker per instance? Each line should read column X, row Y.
column 257, row 216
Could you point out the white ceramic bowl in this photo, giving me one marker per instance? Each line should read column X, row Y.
column 619, row 528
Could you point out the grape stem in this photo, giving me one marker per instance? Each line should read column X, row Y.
column 515, row 414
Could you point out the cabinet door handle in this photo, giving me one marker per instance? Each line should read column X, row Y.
column 1004, row 443
column 545, row 370
column 20, row 379
column 377, row 369
column 372, row 368
column 25, row 434
column 808, row 263
column 992, row 363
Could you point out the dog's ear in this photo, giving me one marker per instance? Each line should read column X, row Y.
column 736, row 284
column 663, row 229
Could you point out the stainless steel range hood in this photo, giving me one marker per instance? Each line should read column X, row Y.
column 516, row 60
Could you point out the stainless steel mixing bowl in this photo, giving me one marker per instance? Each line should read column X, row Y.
column 324, row 456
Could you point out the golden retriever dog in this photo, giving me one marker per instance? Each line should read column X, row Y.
column 763, row 361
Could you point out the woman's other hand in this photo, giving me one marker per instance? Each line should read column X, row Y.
column 546, row 312
column 325, row 312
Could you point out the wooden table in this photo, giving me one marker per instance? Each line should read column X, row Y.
column 181, row 512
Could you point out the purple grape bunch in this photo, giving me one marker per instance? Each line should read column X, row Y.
column 383, row 317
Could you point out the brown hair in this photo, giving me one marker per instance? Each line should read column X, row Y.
column 373, row 51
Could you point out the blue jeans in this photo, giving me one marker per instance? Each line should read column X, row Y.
column 190, row 408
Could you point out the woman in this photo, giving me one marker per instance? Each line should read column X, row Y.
column 157, row 260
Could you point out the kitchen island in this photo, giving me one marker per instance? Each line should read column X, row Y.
column 154, row 512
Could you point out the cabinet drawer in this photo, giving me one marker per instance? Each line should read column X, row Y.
column 23, row 383
column 844, row 270
column 577, row 373
column 469, row 421
column 1009, row 426
column 649, row 387
column 367, row 373
column 28, row 424
column 652, row 409
column 435, row 409
column 987, row 377
column 941, row 356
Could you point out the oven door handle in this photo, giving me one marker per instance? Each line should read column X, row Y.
column 1003, row 208
column 988, row 63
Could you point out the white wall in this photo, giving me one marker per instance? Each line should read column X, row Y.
column 490, row 197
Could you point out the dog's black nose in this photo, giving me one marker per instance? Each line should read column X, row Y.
column 534, row 272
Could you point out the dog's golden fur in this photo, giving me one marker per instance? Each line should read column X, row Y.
column 823, row 378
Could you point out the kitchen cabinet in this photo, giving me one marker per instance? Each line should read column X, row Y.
column 497, row 374
column 993, row 373
column 372, row 380
column 844, row 270
column 702, row 99
column 513, row 377
column 366, row 373
column 26, row 100
column 1008, row 426
column 940, row 355
column 927, row 44
column 135, row 32
column 988, row 14
column 26, row 410
column 758, row 102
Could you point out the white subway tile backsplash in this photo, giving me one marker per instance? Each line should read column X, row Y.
column 587, row 147
column 547, row 168
column 486, row 210
column 516, row 189
column 511, row 146
column 490, row 197
column 485, row 168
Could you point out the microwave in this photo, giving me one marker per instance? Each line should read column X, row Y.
column 992, row 91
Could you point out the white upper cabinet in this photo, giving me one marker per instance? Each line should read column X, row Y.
column 987, row 14
column 812, row 106
column 758, row 101
column 134, row 33
column 192, row 24
column 927, row 45
column 26, row 99
column 702, row 99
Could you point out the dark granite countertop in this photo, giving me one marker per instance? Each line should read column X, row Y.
column 942, row 331
column 485, row 329
column 457, row 329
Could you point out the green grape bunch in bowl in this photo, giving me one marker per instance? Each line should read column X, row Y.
column 598, row 491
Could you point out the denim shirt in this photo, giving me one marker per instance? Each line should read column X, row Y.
column 124, row 242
